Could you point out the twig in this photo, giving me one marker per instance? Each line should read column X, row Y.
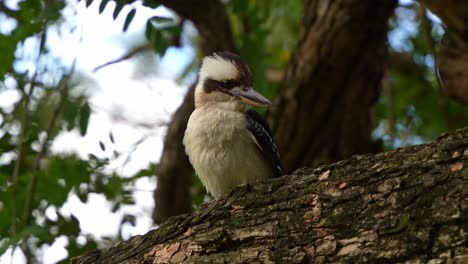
column 427, row 25
column 128, row 55
column 134, row 147
column 20, row 150
column 8, row 11
column 391, row 122
column 63, row 87
column 443, row 101
column 21, row 139
column 138, row 190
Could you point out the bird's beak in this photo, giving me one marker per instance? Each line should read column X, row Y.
column 250, row 97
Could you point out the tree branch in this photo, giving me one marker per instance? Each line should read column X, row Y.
column 63, row 88
column 8, row 11
column 29, row 199
column 128, row 55
column 405, row 205
column 21, row 140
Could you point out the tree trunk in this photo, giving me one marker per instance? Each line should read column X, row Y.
column 324, row 112
column 172, row 194
column 408, row 205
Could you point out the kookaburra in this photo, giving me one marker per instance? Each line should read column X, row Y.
column 227, row 143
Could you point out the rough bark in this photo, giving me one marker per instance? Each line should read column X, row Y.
column 453, row 54
column 172, row 194
column 409, row 205
column 323, row 113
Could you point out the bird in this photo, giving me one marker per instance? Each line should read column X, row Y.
column 227, row 142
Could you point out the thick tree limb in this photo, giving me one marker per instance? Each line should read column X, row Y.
column 408, row 205
column 172, row 195
column 453, row 54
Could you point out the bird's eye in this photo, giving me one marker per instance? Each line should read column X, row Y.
column 227, row 83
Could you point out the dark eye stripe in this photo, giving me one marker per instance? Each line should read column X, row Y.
column 229, row 84
column 211, row 85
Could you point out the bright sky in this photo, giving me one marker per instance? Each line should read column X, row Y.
column 98, row 39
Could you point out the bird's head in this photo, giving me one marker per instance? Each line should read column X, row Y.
column 225, row 80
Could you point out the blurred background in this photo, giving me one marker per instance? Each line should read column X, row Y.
column 94, row 97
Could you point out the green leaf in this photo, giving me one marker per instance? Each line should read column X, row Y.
column 102, row 146
column 88, row 2
column 115, row 207
column 119, row 5
column 102, row 6
column 151, row 4
column 111, row 137
column 160, row 19
column 74, row 226
column 33, row 230
column 70, row 112
column 149, row 30
column 150, row 171
column 127, row 218
column 160, row 43
column 92, row 157
column 85, row 112
column 129, row 19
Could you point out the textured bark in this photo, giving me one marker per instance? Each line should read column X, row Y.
column 453, row 53
column 324, row 110
column 172, row 195
column 409, row 205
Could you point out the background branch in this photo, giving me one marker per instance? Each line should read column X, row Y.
column 28, row 208
column 130, row 54
column 21, row 141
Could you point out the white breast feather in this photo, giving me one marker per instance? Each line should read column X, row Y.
column 222, row 150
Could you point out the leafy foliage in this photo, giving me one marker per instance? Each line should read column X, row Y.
column 35, row 183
